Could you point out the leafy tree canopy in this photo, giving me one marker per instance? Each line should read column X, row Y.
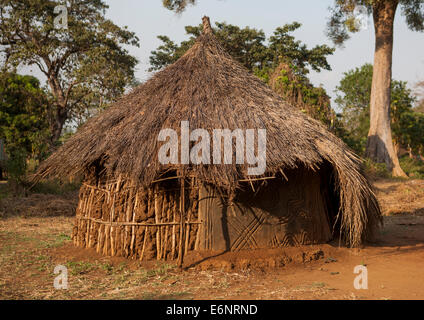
column 250, row 47
column 295, row 87
column 23, row 115
column 86, row 64
column 177, row 5
column 281, row 61
column 346, row 14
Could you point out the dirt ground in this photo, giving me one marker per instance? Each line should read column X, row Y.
column 32, row 245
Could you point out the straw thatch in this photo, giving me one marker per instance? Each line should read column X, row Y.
column 212, row 91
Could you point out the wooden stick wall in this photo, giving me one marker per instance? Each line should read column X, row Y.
column 117, row 219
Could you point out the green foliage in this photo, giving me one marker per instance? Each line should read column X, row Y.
column 410, row 130
column 414, row 168
column 413, row 10
column 353, row 97
column 16, row 168
column 376, row 170
column 177, row 5
column 80, row 267
column 407, row 124
column 245, row 45
column 347, row 136
column 250, row 47
column 420, row 95
column 344, row 19
column 166, row 54
column 291, row 82
column 281, row 61
column 420, row 107
column 23, row 114
column 23, row 124
column 283, row 45
column 86, row 65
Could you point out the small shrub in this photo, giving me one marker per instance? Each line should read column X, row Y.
column 376, row 170
column 413, row 168
column 55, row 187
column 16, row 168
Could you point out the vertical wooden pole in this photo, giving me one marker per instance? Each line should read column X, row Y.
column 157, row 209
column 174, row 211
column 128, row 210
column 112, row 229
column 168, row 218
column 88, row 214
column 203, row 232
column 182, row 217
column 134, row 208
column 161, row 228
column 189, row 213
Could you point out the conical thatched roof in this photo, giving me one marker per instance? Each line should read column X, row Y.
column 212, row 91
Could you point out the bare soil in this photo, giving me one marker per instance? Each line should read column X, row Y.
column 32, row 245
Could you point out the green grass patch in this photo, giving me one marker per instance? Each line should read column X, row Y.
column 80, row 267
column 318, row 285
column 56, row 240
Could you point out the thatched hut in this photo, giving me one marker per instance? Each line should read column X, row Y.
column 132, row 205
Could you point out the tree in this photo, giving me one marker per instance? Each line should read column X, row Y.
column 354, row 98
column 379, row 145
column 420, row 94
column 85, row 63
column 281, row 61
column 412, row 133
column 292, row 83
column 23, row 114
column 249, row 47
column 245, row 45
column 23, row 121
column 177, row 5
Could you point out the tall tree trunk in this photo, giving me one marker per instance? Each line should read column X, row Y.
column 60, row 114
column 380, row 145
column 56, row 125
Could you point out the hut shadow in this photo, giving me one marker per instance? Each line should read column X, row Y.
column 386, row 189
column 225, row 231
column 374, row 153
column 194, row 264
column 170, row 296
column 403, row 230
column 225, row 234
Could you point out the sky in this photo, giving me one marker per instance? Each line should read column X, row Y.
column 148, row 19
